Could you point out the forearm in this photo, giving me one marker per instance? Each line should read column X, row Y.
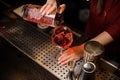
column 104, row 38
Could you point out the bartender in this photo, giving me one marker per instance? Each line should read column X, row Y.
column 102, row 26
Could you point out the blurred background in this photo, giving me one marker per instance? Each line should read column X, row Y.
column 14, row 65
column 75, row 15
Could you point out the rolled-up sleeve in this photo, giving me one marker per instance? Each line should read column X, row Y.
column 114, row 27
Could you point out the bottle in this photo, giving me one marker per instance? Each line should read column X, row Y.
column 32, row 13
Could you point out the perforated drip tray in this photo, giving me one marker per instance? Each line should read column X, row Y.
column 37, row 45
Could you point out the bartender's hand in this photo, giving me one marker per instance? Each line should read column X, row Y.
column 50, row 7
column 71, row 54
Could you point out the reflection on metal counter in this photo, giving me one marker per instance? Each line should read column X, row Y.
column 37, row 46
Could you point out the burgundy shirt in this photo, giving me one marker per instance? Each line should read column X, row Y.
column 108, row 21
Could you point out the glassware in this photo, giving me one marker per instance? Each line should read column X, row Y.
column 92, row 50
column 62, row 38
column 32, row 13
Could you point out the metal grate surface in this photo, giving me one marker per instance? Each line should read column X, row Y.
column 105, row 75
column 37, row 45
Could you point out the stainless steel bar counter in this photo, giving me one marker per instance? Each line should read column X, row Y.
column 36, row 44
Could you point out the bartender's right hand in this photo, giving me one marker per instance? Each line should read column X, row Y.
column 72, row 54
column 50, row 7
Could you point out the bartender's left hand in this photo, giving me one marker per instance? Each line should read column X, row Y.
column 71, row 54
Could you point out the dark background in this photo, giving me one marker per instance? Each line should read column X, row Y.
column 71, row 13
column 14, row 65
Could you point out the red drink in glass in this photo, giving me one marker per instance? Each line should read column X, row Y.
column 62, row 36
